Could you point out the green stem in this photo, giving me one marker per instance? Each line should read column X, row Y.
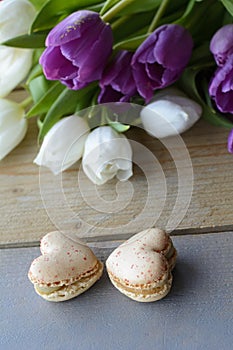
column 104, row 116
column 119, row 22
column 25, row 103
column 115, row 9
column 158, row 15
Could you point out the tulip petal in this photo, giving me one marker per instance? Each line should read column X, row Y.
column 63, row 145
column 15, row 65
column 56, row 66
column 221, row 89
column 161, row 58
column 170, row 50
column 221, row 44
column 170, row 115
column 16, row 17
column 13, row 126
column 72, row 27
column 107, row 154
column 78, row 49
column 117, row 83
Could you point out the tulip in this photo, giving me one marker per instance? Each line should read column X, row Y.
column 14, row 67
column 170, row 114
column 107, row 154
column 16, row 17
column 117, row 83
column 221, row 87
column 77, row 49
column 221, row 44
column 161, row 58
column 63, row 145
column 230, row 142
column 13, row 126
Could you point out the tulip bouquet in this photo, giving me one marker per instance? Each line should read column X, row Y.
column 174, row 58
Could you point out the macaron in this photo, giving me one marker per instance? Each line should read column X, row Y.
column 65, row 269
column 140, row 268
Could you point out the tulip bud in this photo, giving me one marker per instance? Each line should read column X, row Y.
column 117, row 83
column 77, row 49
column 107, row 154
column 14, row 66
column 63, row 145
column 170, row 114
column 13, row 126
column 161, row 58
column 220, row 88
column 221, row 44
column 16, row 17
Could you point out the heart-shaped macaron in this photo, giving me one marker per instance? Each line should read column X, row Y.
column 141, row 267
column 65, row 269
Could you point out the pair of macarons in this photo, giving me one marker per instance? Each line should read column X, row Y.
column 140, row 268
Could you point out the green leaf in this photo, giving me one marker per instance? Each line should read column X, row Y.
column 65, row 104
column 118, row 127
column 228, row 4
column 38, row 87
column 131, row 44
column 46, row 101
column 35, row 72
column 54, row 10
column 108, row 4
column 139, row 6
column 127, row 27
column 188, row 10
column 38, row 3
column 28, row 41
column 188, row 83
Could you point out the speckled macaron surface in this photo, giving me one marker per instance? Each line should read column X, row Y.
column 141, row 267
column 65, row 269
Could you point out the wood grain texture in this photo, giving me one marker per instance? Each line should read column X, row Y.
column 71, row 206
column 196, row 314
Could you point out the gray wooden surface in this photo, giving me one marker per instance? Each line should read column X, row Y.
column 197, row 314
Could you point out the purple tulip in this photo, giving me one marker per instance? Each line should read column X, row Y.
column 221, row 87
column 77, row 49
column 221, row 44
column 230, row 142
column 161, row 58
column 117, row 83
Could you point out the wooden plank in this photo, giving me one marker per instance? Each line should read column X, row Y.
column 23, row 214
column 197, row 314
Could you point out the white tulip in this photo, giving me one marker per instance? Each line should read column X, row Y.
column 16, row 17
column 14, row 66
column 107, row 154
column 13, row 126
column 63, row 145
column 170, row 113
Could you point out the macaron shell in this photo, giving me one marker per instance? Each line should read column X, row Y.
column 137, row 295
column 139, row 260
column 56, row 241
column 141, row 267
column 137, row 265
column 72, row 290
column 62, row 261
column 155, row 238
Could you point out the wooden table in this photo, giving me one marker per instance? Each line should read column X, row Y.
column 197, row 313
